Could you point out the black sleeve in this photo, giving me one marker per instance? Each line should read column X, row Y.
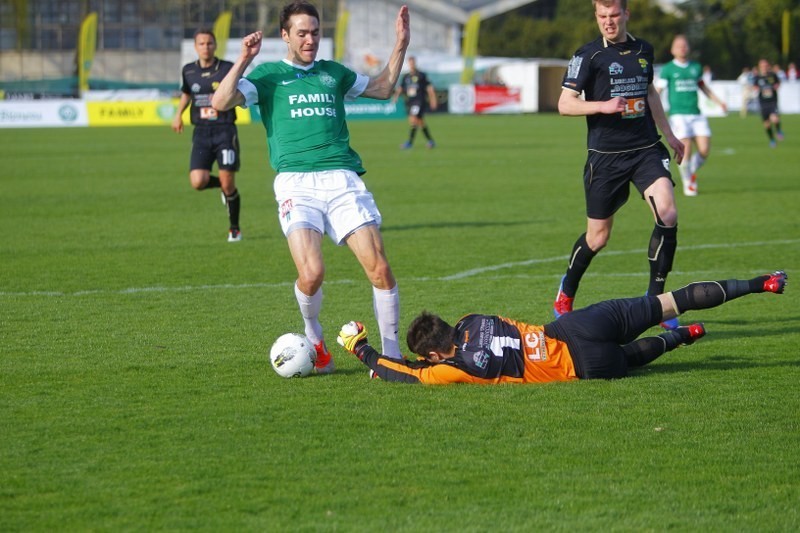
column 388, row 369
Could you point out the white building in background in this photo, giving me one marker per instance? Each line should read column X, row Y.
column 436, row 28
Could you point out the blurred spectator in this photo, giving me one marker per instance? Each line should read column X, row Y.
column 791, row 72
column 745, row 79
column 779, row 72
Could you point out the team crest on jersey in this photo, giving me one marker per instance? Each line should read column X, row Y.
column 615, row 69
column 327, row 80
column 574, row 67
column 195, row 87
column 643, row 63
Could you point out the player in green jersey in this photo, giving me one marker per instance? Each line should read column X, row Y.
column 682, row 78
column 318, row 187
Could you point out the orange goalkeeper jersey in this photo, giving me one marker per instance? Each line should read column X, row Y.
column 489, row 349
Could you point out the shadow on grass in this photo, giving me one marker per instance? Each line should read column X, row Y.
column 722, row 362
column 465, row 224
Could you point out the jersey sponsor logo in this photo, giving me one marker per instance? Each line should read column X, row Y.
column 574, row 66
column 313, row 112
column 535, row 346
column 627, row 87
column 316, row 98
column 634, row 108
column 208, row 113
column 615, row 69
column 287, row 82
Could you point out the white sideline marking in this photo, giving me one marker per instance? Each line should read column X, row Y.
column 452, row 277
column 476, row 271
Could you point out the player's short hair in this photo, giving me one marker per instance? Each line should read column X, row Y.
column 429, row 333
column 608, row 3
column 298, row 7
column 204, row 31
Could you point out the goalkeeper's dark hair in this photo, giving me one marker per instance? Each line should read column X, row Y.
column 429, row 333
column 298, row 7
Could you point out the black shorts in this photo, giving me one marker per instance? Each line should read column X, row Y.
column 606, row 177
column 415, row 109
column 595, row 334
column 215, row 143
column 767, row 109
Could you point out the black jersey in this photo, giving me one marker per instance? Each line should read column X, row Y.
column 200, row 83
column 488, row 347
column 603, row 70
column 767, row 87
column 415, row 87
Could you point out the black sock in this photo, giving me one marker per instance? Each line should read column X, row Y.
column 427, row 133
column 234, row 203
column 580, row 258
column 412, row 134
column 778, row 127
column 769, row 133
column 213, row 183
column 663, row 243
column 708, row 294
column 643, row 351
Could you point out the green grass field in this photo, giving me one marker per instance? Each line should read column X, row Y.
column 136, row 393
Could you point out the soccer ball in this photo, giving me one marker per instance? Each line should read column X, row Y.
column 292, row 356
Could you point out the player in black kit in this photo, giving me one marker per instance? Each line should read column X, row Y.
column 215, row 136
column 419, row 94
column 622, row 109
column 766, row 85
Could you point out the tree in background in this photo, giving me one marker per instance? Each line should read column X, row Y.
column 725, row 34
column 731, row 34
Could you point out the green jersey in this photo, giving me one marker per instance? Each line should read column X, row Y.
column 303, row 113
column 682, row 83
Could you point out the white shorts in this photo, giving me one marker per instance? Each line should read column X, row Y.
column 689, row 126
column 335, row 202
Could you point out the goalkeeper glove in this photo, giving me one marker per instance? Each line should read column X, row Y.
column 352, row 334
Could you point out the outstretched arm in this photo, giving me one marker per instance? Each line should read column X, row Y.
column 227, row 96
column 381, row 86
column 713, row 97
column 353, row 338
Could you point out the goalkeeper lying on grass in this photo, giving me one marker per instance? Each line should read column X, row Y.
column 596, row 342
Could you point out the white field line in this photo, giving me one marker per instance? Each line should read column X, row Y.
column 452, row 277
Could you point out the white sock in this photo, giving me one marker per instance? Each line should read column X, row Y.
column 387, row 312
column 683, row 168
column 310, row 307
column 697, row 162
